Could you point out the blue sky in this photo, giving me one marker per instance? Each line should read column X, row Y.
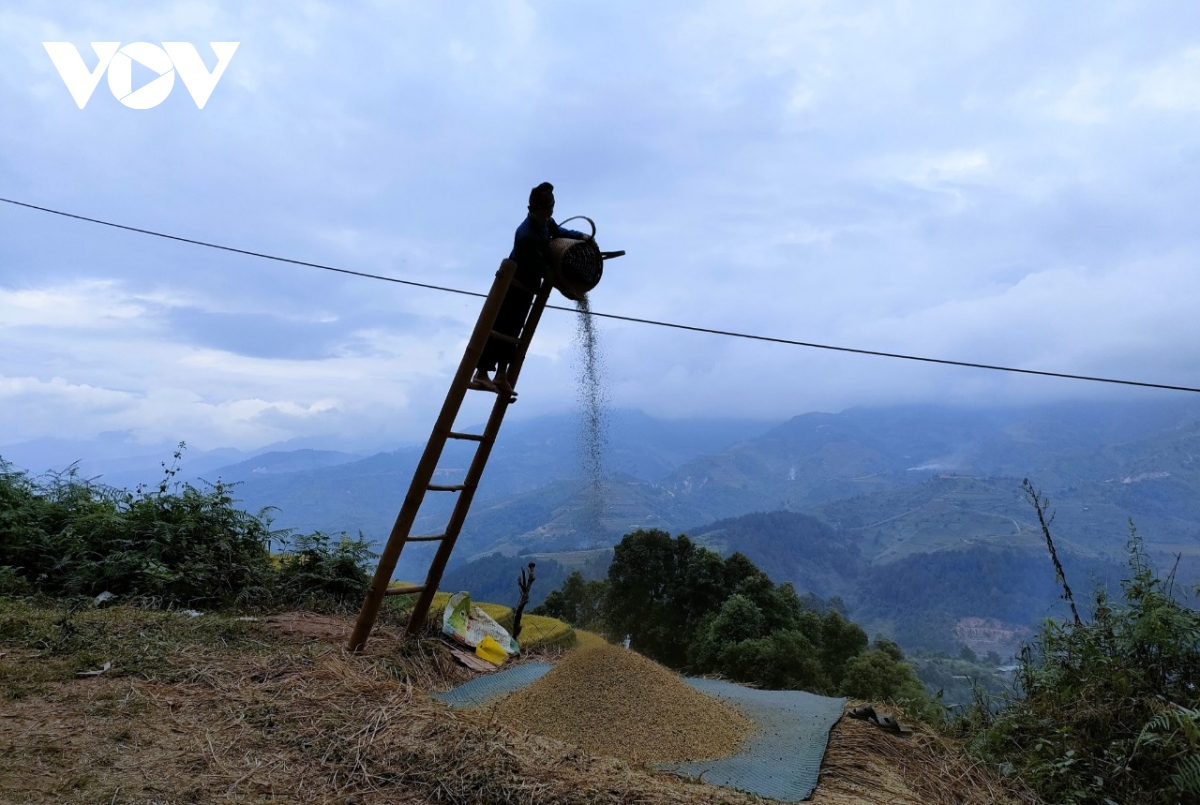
column 1011, row 183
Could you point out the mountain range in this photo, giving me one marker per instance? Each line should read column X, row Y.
column 916, row 511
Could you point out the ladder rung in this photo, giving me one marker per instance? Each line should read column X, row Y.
column 511, row 339
column 410, row 590
column 474, row 437
column 443, row 488
column 522, row 286
column 427, row 538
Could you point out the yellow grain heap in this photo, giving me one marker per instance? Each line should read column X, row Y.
column 612, row 701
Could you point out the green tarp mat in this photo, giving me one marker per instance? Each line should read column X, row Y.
column 781, row 760
column 492, row 686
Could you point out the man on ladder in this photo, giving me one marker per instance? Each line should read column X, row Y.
column 499, row 342
column 531, row 246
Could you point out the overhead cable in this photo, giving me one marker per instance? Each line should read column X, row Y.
column 616, row 316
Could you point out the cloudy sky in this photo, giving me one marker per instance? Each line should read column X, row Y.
column 1008, row 182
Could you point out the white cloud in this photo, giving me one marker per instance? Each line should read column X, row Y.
column 82, row 304
column 943, row 171
column 1084, row 103
column 1174, row 85
column 983, row 180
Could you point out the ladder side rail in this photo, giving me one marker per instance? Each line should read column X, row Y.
column 475, row 472
column 535, row 316
column 429, row 459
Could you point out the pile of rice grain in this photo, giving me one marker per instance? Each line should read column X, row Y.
column 612, row 701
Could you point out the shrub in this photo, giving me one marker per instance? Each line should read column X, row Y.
column 317, row 572
column 14, row 585
column 175, row 544
column 877, row 675
column 70, row 536
column 1109, row 709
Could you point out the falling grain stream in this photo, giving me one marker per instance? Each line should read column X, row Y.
column 593, row 438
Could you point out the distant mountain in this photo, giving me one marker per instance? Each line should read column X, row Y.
column 113, row 459
column 494, row 579
column 533, row 464
column 815, row 458
column 904, row 480
column 923, row 598
column 915, row 516
column 897, row 481
column 797, row 548
column 280, row 463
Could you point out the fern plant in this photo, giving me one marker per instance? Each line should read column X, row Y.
column 1177, row 729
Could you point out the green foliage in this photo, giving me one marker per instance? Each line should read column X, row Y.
column 1109, row 711
column 183, row 548
column 1177, row 730
column 577, row 602
column 688, row 608
column 739, row 619
column 14, row 585
column 961, row 684
column 877, row 675
column 891, row 648
column 653, row 596
column 314, row 571
column 174, row 545
column 841, row 641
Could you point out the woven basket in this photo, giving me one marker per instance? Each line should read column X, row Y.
column 576, row 265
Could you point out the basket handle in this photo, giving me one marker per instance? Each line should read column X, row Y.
column 584, row 217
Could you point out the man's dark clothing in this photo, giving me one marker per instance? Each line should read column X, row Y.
column 531, row 251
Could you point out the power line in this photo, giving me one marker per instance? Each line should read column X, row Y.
column 615, row 316
column 240, row 251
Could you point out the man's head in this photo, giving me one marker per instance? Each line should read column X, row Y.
column 541, row 202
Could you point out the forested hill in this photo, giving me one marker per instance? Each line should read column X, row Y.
column 792, row 547
column 987, row 595
column 904, row 480
column 1118, row 460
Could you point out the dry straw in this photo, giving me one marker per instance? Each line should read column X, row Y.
column 301, row 721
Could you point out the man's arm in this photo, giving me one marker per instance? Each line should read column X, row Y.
column 557, row 231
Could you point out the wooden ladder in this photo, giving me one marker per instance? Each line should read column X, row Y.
column 421, row 482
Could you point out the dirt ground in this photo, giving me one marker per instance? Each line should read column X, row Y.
column 301, row 721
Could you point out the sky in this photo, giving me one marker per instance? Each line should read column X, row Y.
column 1011, row 183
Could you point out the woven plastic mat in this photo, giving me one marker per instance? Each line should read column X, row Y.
column 483, row 689
column 781, row 760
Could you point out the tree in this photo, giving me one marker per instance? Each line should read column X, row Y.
column 891, row 648
column 688, row 608
column 840, row 641
column 578, row 602
column 649, row 595
column 739, row 620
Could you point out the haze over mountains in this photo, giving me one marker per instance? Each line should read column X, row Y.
column 914, row 516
